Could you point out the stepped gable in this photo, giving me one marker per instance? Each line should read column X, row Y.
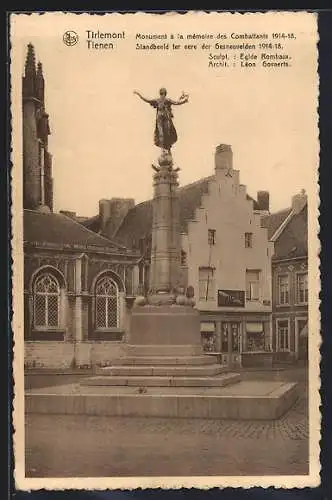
column 57, row 229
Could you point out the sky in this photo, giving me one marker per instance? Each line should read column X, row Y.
column 102, row 134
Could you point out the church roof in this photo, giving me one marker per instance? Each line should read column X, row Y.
column 52, row 229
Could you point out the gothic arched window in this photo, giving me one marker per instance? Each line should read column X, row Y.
column 106, row 303
column 46, row 299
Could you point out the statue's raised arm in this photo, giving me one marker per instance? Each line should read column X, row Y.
column 182, row 100
column 149, row 101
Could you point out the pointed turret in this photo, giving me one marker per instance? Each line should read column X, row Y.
column 40, row 84
column 29, row 79
column 37, row 163
column 30, row 63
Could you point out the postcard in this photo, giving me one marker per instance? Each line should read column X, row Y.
column 165, row 250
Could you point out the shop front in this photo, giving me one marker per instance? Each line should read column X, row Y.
column 257, row 350
column 238, row 340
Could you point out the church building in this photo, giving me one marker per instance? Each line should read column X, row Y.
column 77, row 284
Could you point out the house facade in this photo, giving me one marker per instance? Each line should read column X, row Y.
column 225, row 255
column 77, row 284
column 288, row 230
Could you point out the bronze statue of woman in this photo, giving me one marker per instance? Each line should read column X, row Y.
column 165, row 134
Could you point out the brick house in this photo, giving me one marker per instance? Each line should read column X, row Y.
column 288, row 229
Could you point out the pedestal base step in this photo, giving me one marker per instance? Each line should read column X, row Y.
column 164, row 350
column 246, row 400
column 164, row 360
column 163, row 371
column 218, row 381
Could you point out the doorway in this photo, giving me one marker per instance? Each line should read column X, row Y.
column 231, row 342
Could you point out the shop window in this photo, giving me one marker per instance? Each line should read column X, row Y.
column 248, row 240
column 206, row 280
column 211, row 237
column 255, row 336
column 283, row 335
column 106, row 304
column 46, row 301
column 283, row 289
column 302, row 288
column 208, row 342
column 252, row 285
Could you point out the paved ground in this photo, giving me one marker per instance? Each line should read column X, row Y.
column 45, row 378
column 80, row 446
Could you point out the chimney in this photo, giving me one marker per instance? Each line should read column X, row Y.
column 299, row 201
column 224, row 157
column 263, row 200
column 104, row 213
column 112, row 213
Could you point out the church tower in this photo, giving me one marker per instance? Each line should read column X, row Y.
column 37, row 161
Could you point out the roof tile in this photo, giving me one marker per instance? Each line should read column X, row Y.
column 293, row 241
column 58, row 229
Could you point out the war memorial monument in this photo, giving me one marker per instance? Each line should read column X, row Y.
column 164, row 372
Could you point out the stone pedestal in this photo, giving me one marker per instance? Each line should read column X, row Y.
column 165, row 330
column 164, row 326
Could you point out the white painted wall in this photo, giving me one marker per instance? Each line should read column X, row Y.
column 226, row 209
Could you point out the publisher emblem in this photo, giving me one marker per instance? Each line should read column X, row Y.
column 70, row 38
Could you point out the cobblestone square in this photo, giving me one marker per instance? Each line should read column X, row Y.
column 88, row 446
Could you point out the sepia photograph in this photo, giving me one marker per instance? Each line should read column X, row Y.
column 165, row 250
